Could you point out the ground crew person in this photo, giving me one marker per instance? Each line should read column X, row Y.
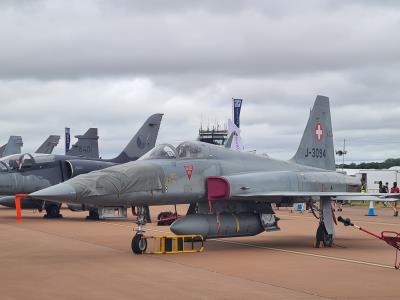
column 381, row 187
column 382, row 190
column 386, row 188
column 395, row 189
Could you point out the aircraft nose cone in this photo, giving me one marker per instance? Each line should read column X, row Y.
column 8, row 201
column 62, row 192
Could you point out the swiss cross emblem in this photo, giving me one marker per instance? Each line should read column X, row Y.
column 189, row 171
column 319, row 132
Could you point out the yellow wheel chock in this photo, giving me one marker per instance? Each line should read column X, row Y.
column 174, row 244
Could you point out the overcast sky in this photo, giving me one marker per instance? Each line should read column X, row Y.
column 110, row 64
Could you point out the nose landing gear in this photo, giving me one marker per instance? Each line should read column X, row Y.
column 139, row 242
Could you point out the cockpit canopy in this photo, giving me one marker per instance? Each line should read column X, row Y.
column 162, row 151
column 23, row 161
column 191, row 150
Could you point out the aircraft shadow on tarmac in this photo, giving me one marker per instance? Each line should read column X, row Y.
column 294, row 243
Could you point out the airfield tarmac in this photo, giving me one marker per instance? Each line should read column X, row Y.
column 72, row 258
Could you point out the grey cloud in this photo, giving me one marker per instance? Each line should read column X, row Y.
column 85, row 40
column 109, row 64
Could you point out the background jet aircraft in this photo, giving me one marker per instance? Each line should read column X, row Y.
column 48, row 146
column 28, row 173
column 92, row 150
column 230, row 192
column 15, row 143
column 87, row 145
column 13, row 146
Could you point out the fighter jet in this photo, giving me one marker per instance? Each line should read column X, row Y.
column 48, row 145
column 87, row 145
column 229, row 192
column 13, row 146
column 85, row 141
column 23, row 174
column 15, row 143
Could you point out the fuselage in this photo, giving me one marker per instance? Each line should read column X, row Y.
column 27, row 173
column 181, row 177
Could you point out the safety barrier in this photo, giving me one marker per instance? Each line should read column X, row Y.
column 174, row 244
column 18, row 198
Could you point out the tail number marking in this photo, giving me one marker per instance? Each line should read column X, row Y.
column 315, row 153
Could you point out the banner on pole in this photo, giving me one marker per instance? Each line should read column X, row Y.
column 237, row 106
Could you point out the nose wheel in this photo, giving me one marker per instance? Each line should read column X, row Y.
column 139, row 244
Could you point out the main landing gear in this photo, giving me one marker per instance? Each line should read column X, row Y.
column 139, row 242
column 325, row 231
column 93, row 215
column 53, row 211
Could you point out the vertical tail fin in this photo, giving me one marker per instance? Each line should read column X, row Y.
column 228, row 143
column 316, row 146
column 143, row 141
column 87, row 145
column 48, row 146
column 13, row 146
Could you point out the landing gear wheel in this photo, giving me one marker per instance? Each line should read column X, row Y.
column 53, row 212
column 165, row 218
column 139, row 244
column 93, row 215
column 323, row 236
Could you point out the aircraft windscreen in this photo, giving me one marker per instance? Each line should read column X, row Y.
column 4, row 167
column 163, row 151
column 11, row 161
column 19, row 161
column 191, row 150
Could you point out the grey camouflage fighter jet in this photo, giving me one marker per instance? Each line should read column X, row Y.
column 84, row 145
column 15, row 143
column 27, row 173
column 48, row 145
column 13, row 146
column 87, row 145
column 229, row 192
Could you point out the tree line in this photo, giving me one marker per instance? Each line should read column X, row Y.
column 388, row 163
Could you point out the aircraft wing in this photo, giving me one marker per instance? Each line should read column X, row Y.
column 273, row 186
column 345, row 196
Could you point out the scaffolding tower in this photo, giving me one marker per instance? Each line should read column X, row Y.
column 216, row 135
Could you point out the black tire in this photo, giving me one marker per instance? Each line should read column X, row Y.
column 93, row 215
column 323, row 236
column 328, row 240
column 164, row 215
column 53, row 211
column 139, row 244
column 160, row 216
